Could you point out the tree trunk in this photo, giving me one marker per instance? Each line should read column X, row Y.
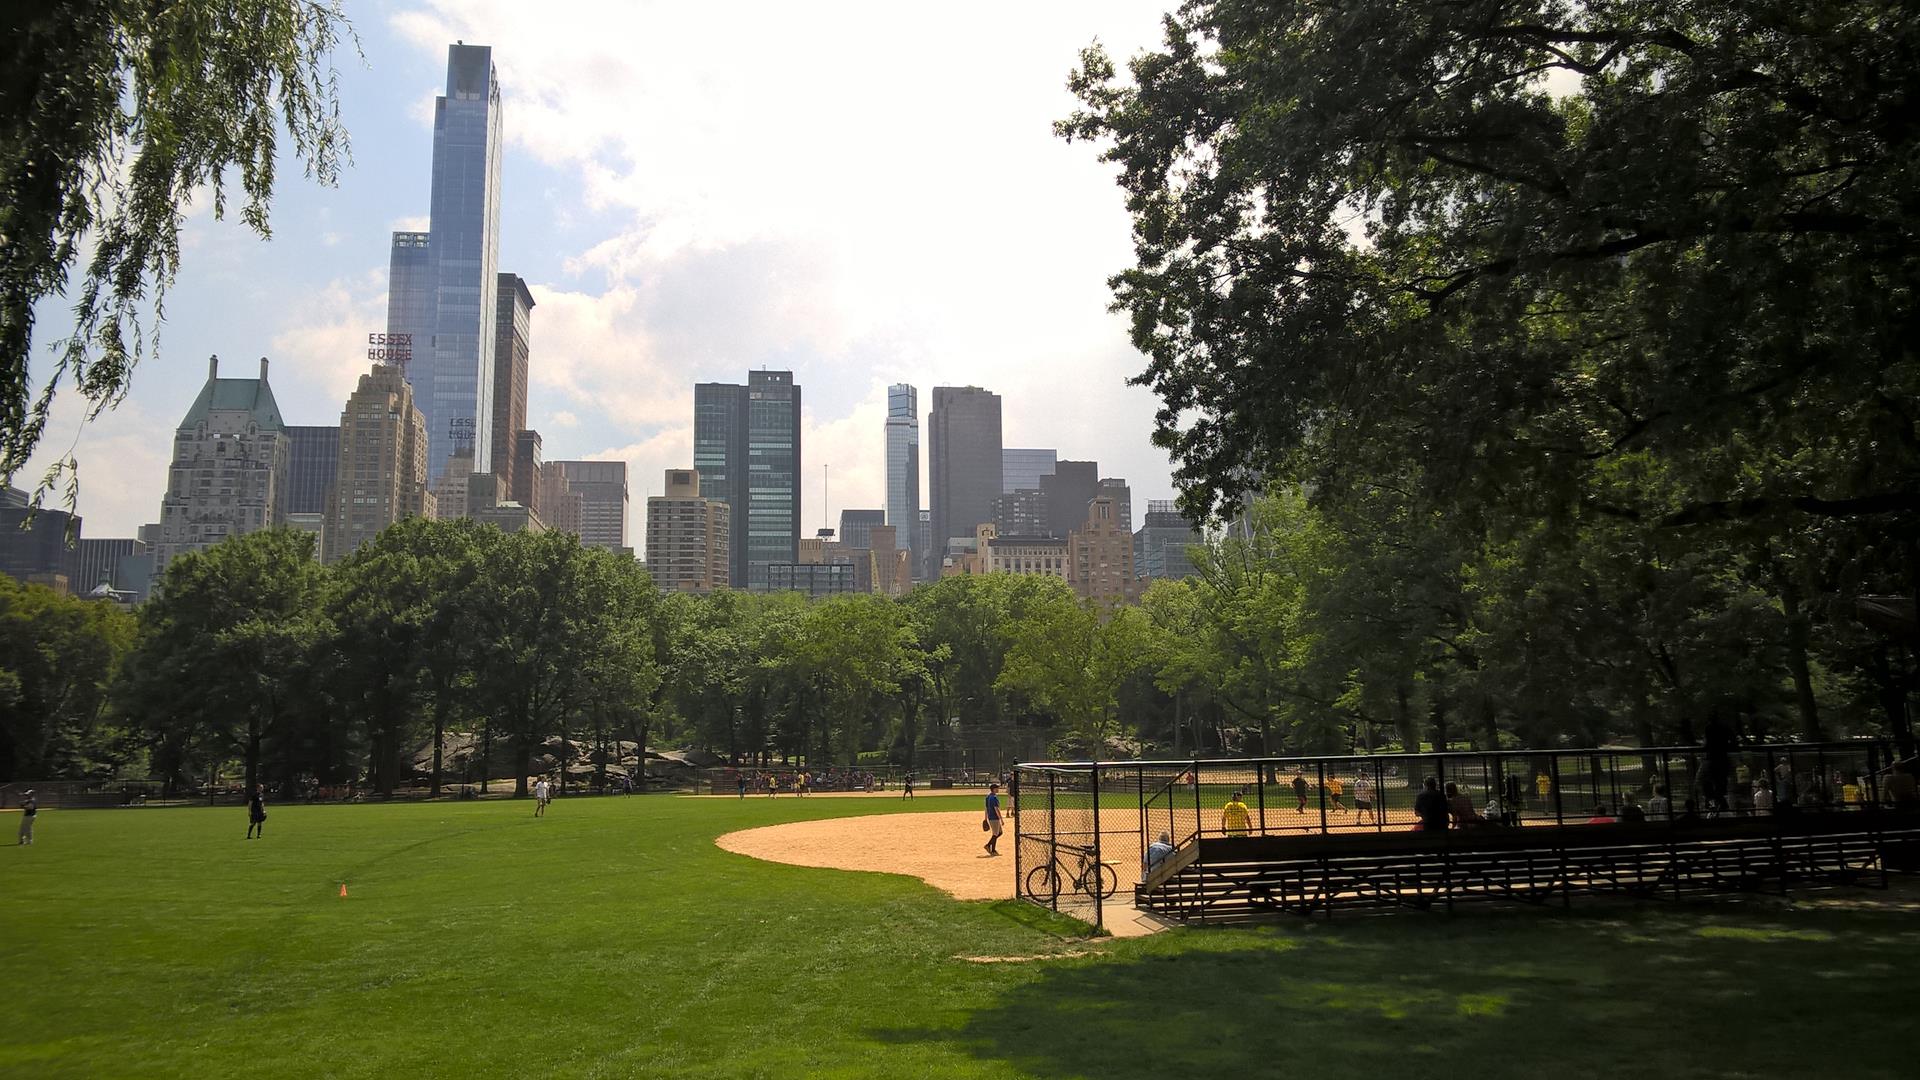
column 1797, row 634
column 1438, row 711
column 439, row 734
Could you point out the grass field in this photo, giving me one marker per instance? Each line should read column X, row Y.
column 613, row 939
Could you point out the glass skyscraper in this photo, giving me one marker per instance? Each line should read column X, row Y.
column 450, row 306
column 903, row 467
column 314, row 454
column 1021, row 470
column 746, row 447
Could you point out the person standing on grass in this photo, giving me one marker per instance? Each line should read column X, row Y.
column 740, row 781
column 28, row 810
column 993, row 819
column 257, row 812
column 906, row 787
column 541, row 792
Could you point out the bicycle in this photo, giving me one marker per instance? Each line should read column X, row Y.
column 1043, row 881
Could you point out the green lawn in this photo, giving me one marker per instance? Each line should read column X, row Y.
column 614, row 939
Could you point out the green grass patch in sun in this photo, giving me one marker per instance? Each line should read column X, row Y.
column 613, row 939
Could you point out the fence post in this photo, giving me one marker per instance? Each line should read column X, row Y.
column 1053, row 837
column 1260, row 791
column 1013, row 797
column 1099, row 911
column 1322, row 766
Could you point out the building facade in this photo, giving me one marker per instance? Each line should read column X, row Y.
column 229, row 471
column 512, row 344
column 1043, row 555
column 1160, row 545
column 1100, row 553
column 602, row 489
column 1021, row 513
column 1021, row 469
column 33, row 545
column 746, row 448
column 312, row 459
column 688, row 537
column 963, row 439
column 410, row 303
column 463, row 254
column 452, row 491
column 814, row 579
column 903, row 466
column 856, row 528
column 1071, row 487
column 383, row 463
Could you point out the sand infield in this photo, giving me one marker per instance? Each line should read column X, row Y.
column 941, row 849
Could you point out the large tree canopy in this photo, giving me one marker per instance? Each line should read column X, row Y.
column 1497, row 248
column 113, row 113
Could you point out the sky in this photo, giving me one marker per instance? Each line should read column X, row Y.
column 863, row 193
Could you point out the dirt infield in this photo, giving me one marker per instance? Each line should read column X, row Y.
column 942, row 849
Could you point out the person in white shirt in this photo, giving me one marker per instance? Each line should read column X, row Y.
column 1658, row 807
column 1363, row 799
column 1762, row 798
column 541, row 793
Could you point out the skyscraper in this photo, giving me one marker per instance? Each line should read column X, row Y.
column 313, row 457
column 1160, row 546
column 410, row 304
column 746, row 447
column 1071, row 487
column 903, row 466
column 1122, row 497
column 963, row 435
column 453, row 365
column 513, row 336
column 229, row 472
column 602, row 489
column 1021, row 470
column 856, row 528
column 1100, row 552
column 383, row 463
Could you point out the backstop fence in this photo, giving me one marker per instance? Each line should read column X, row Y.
column 1085, row 831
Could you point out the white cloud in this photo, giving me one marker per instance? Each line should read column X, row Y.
column 562, row 418
column 320, row 356
column 411, row 223
column 123, row 458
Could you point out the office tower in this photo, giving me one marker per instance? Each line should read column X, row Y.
column 1160, row 546
column 1021, row 513
column 453, row 366
column 903, row 466
column 383, row 463
column 527, row 464
column 229, row 472
column 101, row 561
column 856, row 528
column 561, row 508
column 452, row 492
column 602, row 489
column 512, row 341
column 1071, row 487
column 410, row 306
column 1021, row 470
column 687, row 537
column 1101, row 554
column 37, row 553
column 963, row 437
column 313, row 456
column 746, row 447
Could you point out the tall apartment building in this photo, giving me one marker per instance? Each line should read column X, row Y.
column 383, row 463
column 527, row 463
column 687, row 536
column 448, row 307
column 1160, row 545
column 746, row 447
column 1071, row 487
column 313, row 457
column 512, row 344
column 903, row 467
column 453, row 490
column 602, row 489
column 963, row 437
column 229, row 471
column 1100, row 552
column 1021, row 469
column 856, row 528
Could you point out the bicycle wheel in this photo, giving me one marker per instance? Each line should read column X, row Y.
column 1043, row 884
column 1109, row 881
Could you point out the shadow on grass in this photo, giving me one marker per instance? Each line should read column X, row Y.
column 1697, row 991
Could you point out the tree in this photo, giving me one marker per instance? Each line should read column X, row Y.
column 58, row 657
column 224, row 650
column 1073, row 664
column 1507, row 239
column 113, row 114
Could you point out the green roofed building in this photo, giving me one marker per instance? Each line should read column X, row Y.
column 229, row 472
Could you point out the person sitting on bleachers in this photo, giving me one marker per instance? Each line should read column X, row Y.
column 1460, row 808
column 1630, row 811
column 1431, row 807
column 1158, row 852
column 1602, row 816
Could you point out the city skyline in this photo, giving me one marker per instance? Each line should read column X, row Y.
column 638, row 302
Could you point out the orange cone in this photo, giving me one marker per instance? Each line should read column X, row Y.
column 343, row 890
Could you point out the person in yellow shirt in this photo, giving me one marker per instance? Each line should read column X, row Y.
column 1543, row 786
column 1336, row 789
column 1234, row 817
